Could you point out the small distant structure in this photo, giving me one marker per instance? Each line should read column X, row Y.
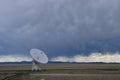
column 39, row 57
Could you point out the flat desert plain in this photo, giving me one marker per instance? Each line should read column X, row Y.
column 61, row 72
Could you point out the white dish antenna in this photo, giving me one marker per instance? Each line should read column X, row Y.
column 39, row 57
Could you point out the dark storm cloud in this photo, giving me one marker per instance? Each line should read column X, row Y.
column 59, row 26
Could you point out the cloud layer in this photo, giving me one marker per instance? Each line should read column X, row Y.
column 14, row 58
column 94, row 57
column 59, row 27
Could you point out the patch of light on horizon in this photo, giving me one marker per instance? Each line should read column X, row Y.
column 14, row 58
column 94, row 57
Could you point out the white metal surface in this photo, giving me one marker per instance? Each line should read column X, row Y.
column 39, row 56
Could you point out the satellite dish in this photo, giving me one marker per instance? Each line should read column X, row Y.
column 38, row 56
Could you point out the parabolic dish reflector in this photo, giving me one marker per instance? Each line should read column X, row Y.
column 39, row 56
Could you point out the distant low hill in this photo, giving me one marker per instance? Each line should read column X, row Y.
column 52, row 62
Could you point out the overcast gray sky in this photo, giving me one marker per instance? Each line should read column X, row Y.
column 59, row 27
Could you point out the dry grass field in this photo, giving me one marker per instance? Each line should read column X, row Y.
column 61, row 72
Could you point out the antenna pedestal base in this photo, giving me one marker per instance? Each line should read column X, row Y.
column 35, row 67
